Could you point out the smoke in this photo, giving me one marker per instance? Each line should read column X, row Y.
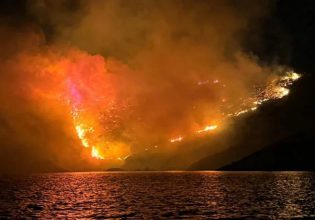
column 145, row 71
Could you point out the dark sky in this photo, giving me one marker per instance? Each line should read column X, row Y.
column 287, row 34
column 290, row 32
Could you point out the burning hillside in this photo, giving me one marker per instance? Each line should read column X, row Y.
column 90, row 95
column 88, row 90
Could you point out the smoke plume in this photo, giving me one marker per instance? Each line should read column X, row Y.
column 123, row 78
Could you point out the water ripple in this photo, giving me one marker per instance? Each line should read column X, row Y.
column 158, row 195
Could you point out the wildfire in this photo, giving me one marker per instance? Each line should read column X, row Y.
column 208, row 128
column 89, row 90
column 92, row 98
column 177, row 139
column 82, row 135
column 291, row 76
column 81, row 132
column 277, row 89
column 112, row 110
column 280, row 92
column 96, row 154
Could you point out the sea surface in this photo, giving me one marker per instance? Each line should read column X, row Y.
column 158, row 195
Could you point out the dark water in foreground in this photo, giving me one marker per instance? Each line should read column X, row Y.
column 155, row 195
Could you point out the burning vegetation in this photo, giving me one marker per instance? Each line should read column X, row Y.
column 108, row 99
column 277, row 88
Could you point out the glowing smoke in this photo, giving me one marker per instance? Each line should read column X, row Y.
column 166, row 70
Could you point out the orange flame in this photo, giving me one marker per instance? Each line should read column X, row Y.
column 208, row 128
column 177, row 139
column 91, row 93
column 96, row 154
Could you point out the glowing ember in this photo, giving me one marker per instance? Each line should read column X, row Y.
column 178, row 139
column 208, row 128
column 126, row 157
column 200, row 83
column 253, row 108
column 277, row 89
column 241, row 112
column 291, row 76
column 280, row 92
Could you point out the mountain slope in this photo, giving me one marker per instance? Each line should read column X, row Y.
column 281, row 133
column 293, row 153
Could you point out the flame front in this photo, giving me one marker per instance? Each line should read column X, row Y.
column 177, row 139
column 277, row 89
column 96, row 154
column 109, row 120
column 84, row 121
column 208, row 128
column 81, row 132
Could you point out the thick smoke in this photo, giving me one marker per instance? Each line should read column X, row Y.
column 172, row 64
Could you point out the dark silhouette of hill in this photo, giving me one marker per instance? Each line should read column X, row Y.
column 294, row 153
column 279, row 130
column 283, row 129
column 114, row 169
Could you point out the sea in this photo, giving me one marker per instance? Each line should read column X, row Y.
column 158, row 195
